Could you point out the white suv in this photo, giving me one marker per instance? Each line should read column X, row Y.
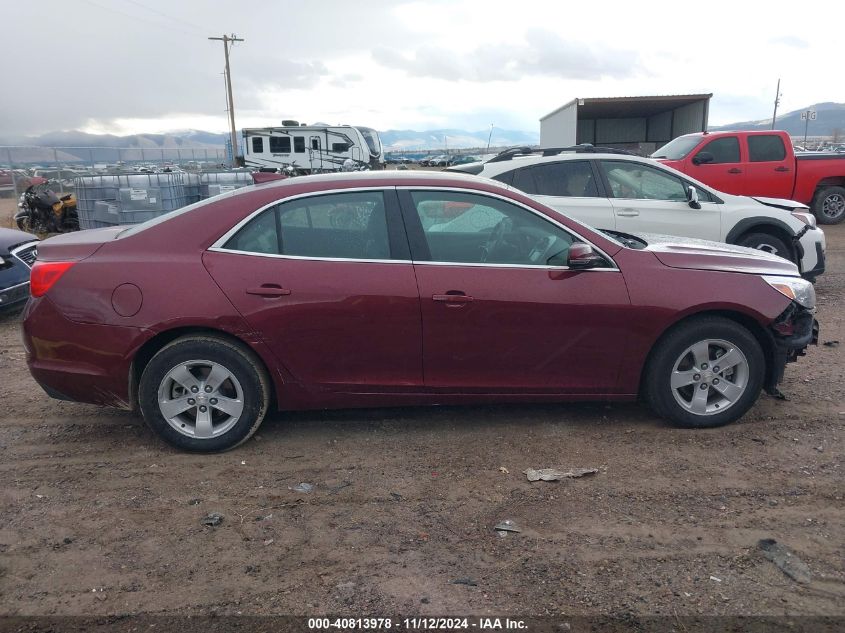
column 612, row 189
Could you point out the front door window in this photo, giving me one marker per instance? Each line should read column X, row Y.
column 475, row 229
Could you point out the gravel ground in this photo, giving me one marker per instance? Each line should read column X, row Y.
column 97, row 516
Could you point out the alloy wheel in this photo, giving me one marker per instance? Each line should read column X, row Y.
column 833, row 205
column 709, row 377
column 200, row 399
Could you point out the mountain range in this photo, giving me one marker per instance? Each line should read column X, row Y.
column 830, row 121
column 440, row 139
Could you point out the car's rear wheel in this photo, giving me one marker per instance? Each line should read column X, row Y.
column 768, row 243
column 706, row 372
column 829, row 205
column 204, row 394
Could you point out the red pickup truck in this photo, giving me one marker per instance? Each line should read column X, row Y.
column 762, row 164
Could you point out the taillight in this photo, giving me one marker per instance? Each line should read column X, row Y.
column 44, row 274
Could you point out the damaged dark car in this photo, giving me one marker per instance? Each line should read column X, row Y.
column 17, row 255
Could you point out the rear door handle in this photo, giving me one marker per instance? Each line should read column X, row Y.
column 781, row 168
column 628, row 213
column 452, row 299
column 268, row 290
column 734, row 170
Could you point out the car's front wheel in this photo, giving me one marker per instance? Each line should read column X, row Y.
column 767, row 242
column 204, row 393
column 705, row 372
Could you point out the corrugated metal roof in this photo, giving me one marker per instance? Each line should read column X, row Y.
column 624, row 107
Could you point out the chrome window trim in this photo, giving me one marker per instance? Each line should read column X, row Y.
column 217, row 246
column 217, row 249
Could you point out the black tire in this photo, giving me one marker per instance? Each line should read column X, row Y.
column 829, row 205
column 237, row 359
column 656, row 378
column 769, row 243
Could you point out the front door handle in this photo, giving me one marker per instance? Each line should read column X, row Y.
column 628, row 213
column 781, row 168
column 268, row 290
column 734, row 170
column 453, row 299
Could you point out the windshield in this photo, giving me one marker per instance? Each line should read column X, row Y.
column 373, row 141
column 677, row 149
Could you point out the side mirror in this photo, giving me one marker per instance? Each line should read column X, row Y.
column 692, row 198
column 583, row 256
column 702, row 158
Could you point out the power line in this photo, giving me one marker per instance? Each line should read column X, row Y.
column 164, row 15
column 136, row 17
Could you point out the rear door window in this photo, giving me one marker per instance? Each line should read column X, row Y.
column 764, row 148
column 342, row 226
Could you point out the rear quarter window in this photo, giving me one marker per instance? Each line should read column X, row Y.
column 523, row 179
column 506, row 177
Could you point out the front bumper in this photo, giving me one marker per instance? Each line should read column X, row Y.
column 14, row 296
column 810, row 245
column 791, row 333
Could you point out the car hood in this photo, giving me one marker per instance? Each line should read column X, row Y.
column 9, row 238
column 780, row 203
column 689, row 253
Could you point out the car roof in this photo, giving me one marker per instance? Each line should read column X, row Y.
column 376, row 179
column 499, row 167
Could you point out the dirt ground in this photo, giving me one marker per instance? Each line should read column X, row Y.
column 97, row 516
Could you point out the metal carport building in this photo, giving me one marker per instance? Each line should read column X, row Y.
column 640, row 124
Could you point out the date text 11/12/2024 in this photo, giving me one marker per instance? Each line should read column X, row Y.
column 417, row 624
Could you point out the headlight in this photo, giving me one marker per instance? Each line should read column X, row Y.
column 794, row 288
column 806, row 217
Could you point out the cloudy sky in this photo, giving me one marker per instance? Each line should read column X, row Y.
column 130, row 66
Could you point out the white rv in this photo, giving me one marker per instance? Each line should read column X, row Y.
column 312, row 149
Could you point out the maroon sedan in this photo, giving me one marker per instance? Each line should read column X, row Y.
column 400, row 288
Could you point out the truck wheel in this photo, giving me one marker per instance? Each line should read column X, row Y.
column 704, row 373
column 767, row 242
column 829, row 205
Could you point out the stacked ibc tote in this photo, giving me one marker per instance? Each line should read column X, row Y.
column 111, row 200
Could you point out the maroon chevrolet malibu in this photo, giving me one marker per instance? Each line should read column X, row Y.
column 386, row 289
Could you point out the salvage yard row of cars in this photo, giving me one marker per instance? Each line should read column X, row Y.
column 409, row 288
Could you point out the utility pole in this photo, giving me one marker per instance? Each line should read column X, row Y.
column 228, row 40
column 777, row 101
